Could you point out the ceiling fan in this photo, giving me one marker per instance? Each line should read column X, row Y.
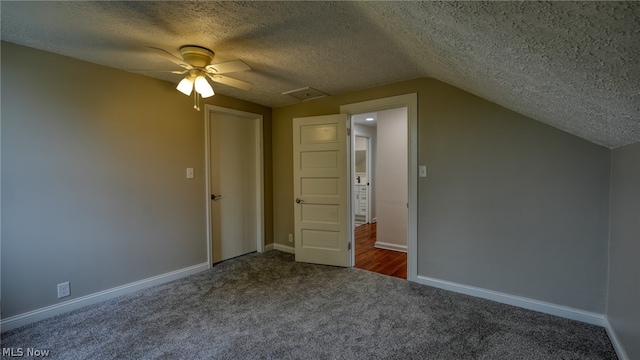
column 196, row 63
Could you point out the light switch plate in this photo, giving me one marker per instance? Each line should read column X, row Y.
column 189, row 173
column 423, row 171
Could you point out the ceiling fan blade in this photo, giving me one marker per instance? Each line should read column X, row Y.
column 161, row 71
column 169, row 56
column 231, row 81
column 228, row 67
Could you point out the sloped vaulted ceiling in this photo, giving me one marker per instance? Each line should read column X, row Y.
column 572, row 65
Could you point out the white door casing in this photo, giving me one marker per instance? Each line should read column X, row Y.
column 234, row 170
column 321, row 190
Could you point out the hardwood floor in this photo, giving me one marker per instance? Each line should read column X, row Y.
column 382, row 261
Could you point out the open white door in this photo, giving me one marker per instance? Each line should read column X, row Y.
column 321, row 191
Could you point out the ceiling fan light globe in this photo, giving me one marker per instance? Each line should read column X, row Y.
column 185, row 86
column 207, row 94
column 203, row 88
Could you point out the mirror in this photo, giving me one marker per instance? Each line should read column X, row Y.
column 361, row 161
column 361, row 154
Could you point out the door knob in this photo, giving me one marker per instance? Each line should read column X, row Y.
column 215, row 197
column 299, row 201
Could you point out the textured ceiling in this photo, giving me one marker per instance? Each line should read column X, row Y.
column 572, row 65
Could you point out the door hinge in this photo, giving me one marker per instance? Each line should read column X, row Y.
column 349, row 246
column 348, row 131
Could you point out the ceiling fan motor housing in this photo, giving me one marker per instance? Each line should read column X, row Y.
column 196, row 56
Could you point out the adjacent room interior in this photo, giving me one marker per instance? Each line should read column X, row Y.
column 380, row 191
column 522, row 164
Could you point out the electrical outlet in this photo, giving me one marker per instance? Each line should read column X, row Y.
column 63, row 290
column 290, row 237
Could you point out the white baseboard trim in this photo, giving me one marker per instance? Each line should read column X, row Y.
column 617, row 346
column 526, row 303
column 268, row 247
column 52, row 310
column 284, row 248
column 388, row 246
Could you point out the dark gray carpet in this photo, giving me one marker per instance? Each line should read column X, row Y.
column 266, row 306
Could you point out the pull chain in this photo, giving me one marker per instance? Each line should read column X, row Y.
column 196, row 101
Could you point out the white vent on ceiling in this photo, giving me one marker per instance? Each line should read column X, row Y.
column 305, row 94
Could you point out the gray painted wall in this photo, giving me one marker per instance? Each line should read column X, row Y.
column 623, row 307
column 94, row 189
column 510, row 204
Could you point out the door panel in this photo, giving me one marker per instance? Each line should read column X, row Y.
column 233, row 178
column 323, row 133
column 318, row 160
column 327, row 214
column 321, row 188
column 321, row 240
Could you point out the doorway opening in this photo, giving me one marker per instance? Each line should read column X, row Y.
column 380, row 191
column 395, row 201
